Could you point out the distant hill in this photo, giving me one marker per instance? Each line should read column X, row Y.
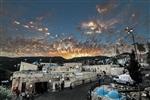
column 51, row 59
column 2, row 58
column 92, row 58
column 43, row 59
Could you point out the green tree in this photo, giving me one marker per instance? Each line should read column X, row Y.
column 5, row 94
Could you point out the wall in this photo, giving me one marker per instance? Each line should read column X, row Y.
column 27, row 66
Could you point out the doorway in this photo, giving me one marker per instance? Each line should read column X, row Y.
column 23, row 87
column 41, row 87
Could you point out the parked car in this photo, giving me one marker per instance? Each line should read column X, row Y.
column 124, row 79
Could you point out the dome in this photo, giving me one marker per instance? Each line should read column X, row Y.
column 101, row 91
column 114, row 95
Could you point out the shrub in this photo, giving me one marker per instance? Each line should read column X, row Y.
column 5, row 94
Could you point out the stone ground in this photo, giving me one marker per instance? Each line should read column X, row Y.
column 78, row 93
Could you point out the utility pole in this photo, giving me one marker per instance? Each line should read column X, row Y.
column 130, row 31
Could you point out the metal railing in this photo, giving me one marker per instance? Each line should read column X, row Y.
column 82, row 81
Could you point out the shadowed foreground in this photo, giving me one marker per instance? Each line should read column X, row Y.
column 78, row 93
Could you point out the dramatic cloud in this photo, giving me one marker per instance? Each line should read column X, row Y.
column 69, row 48
column 106, row 7
column 103, row 24
column 97, row 26
column 16, row 22
column 66, row 47
column 32, row 33
column 34, row 26
column 113, row 18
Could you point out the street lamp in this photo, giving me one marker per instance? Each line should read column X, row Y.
column 130, row 31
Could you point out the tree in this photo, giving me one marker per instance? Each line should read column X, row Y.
column 148, row 57
column 5, row 94
column 148, row 54
column 134, row 69
column 141, row 47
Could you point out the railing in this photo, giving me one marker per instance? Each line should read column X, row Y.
column 82, row 81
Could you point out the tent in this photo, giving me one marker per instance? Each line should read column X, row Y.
column 101, row 91
column 115, row 95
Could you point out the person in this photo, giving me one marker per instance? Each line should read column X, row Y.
column 17, row 92
column 147, row 94
column 99, row 79
column 56, row 86
column 103, row 77
column 23, row 95
column 27, row 96
column 89, row 97
column 32, row 96
column 83, row 82
column 62, row 85
column 104, row 73
column 71, row 86
column 59, row 86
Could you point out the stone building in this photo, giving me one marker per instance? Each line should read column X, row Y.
column 33, row 80
column 109, row 69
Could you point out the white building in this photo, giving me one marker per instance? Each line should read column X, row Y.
column 27, row 66
column 68, row 67
column 109, row 69
column 34, row 80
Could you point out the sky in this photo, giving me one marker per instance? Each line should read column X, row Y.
column 70, row 28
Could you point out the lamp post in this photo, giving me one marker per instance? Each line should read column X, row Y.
column 130, row 31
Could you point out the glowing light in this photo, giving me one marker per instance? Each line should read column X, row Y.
column 133, row 15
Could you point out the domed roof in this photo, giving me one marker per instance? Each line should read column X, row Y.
column 114, row 95
column 101, row 91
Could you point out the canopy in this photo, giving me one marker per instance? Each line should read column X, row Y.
column 101, row 91
column 114, row 95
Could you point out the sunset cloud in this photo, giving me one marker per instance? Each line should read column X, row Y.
column 97, row 26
